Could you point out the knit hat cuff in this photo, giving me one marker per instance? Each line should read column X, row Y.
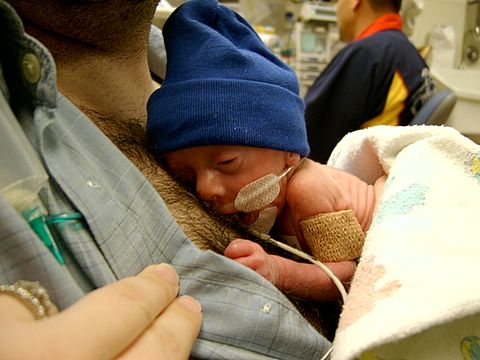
column 226, row 112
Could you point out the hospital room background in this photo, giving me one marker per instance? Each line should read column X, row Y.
column 304, row 35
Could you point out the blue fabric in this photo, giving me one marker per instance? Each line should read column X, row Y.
column 223, row 86
column 355, row 85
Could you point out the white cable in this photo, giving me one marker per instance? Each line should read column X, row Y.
column 327, row 354
column 308, row 257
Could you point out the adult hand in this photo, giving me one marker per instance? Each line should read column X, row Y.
column 139, row 317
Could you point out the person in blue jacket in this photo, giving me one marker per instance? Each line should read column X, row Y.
column 378, row 78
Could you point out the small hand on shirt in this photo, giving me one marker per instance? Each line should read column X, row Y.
column 304, row 280
column 252, row 255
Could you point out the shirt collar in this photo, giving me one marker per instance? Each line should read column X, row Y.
column 390, row 21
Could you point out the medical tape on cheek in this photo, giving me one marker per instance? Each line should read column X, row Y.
column 259, row 193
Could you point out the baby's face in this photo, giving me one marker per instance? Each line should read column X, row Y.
column 218, row 172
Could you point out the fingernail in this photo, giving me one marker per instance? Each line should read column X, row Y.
column 168, row 273
column 190, row 303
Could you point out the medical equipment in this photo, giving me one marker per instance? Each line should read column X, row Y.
column 318, row 12
column 460, row 20
column 315, row 37
column 471, row 39
column 463, row 17
column 260, row 192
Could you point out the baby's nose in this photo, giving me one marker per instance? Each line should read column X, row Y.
column 209, row 186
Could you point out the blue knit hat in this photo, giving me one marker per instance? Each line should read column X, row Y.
column 223, row 86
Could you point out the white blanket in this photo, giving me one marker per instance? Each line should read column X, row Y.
column 416, row 292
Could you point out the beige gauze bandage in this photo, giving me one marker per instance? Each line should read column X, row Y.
column 333, row 237
column 258, row 194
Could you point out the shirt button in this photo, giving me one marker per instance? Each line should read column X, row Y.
column 31, row 68
column 93, row 184
column 266, row 308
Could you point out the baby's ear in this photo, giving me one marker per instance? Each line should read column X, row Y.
column 292, row 158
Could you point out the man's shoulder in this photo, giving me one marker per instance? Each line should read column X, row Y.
column 359, row 54
column 347, row 57
column 366, row 48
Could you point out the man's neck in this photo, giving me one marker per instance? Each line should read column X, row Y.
column 113, row 87
column 101, row 66
column 388, row 21
column 365, row 16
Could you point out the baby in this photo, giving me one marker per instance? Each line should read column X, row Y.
column 228, row 120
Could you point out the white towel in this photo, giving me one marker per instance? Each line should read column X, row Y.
column 416, row 292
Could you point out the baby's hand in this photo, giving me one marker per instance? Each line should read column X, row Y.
column 253, row 256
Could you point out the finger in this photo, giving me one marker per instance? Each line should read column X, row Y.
column 105, row 322
column 172, row 334
column 248, row 262
column 343, row 270
column 239, row 248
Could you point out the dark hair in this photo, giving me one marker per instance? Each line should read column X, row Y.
column 395, row 5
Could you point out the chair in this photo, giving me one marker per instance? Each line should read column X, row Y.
column 436, row 110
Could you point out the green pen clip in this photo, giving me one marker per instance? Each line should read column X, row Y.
column 63, row 218
column 74, row 221
column 37, row 220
